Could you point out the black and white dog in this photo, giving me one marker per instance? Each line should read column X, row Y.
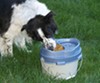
column 24, row 20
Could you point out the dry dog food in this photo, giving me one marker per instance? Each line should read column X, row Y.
column 59, row 47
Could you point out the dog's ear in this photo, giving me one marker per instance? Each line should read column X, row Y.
column 24, row 27
column 49, row 16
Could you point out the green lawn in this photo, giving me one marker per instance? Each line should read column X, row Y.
column 75, row 18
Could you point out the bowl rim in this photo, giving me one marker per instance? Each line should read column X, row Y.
column 69, row 40
column 55, row 56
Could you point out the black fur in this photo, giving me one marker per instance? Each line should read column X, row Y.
column 6, row 13
column 46, row 23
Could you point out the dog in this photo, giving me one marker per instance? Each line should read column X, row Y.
column 22, row 21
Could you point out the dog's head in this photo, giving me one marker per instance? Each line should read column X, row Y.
column 42, row 26
column 45, row 23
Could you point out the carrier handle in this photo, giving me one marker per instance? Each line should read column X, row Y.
column 80, row 62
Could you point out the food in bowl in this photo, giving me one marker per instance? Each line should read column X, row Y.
column 59, row 47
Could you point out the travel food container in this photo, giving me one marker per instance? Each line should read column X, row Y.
column 62, row 64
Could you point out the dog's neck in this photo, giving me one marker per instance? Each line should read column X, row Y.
column 27, row 11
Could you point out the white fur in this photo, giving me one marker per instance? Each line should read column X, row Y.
column 21, row 40
column 47, row 41
column 41, row 33
column 22, row 13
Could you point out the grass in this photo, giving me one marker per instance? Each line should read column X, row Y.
column 75, row 18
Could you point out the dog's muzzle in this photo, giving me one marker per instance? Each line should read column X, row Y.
column 49, row 43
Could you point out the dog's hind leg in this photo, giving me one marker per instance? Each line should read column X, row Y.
column 7, row 40
column 5, row 47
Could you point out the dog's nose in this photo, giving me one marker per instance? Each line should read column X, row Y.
column 49, row 43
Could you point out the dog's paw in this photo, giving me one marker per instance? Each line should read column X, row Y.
column 26, row 49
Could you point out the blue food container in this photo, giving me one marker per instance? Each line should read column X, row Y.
column 64, row 63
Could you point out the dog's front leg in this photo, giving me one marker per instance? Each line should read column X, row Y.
column 23, row 41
